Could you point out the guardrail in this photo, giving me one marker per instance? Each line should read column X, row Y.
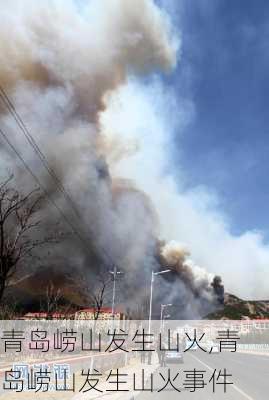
column 254, row 346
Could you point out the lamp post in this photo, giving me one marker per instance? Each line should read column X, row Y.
column 153, row 274
column 115, row 272
column 163, row 306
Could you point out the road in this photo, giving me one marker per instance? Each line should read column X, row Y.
column 250, row 377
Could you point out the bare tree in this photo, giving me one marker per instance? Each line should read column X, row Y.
column 54, row 305
column 53, row 298
column 100, row 293
column 18, row 223
column 8, row 311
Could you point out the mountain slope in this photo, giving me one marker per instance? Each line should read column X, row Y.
column 236, row 308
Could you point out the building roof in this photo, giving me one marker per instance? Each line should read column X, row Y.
column 95, row 309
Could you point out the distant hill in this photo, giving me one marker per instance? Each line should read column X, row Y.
column 236, row 308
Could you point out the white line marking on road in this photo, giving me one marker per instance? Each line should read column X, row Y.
column 235, row 387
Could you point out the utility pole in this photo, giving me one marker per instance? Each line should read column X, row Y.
column 115, row 272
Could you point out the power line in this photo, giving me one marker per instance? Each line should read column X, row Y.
column 12, row 109
column 43, row 188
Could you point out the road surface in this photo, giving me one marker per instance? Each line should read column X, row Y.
column 250, row 377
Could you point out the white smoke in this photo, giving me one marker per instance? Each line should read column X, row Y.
column 58, row 63
column 149, row 116
column 76, row 75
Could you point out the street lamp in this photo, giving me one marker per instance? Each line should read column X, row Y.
column 163, row 306
column 153, row 274
column 115, row 272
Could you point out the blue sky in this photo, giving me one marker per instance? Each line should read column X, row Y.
column 224, row 71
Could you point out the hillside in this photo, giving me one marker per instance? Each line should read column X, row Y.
column 236, row 308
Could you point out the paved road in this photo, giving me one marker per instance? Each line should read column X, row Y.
column 250, row 377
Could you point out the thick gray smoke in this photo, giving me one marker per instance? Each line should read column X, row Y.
column 61, row 63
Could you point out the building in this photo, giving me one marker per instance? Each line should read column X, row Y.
column 42, row 316
column 105, row 313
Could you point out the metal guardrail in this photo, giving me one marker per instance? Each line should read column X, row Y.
column 254, row 346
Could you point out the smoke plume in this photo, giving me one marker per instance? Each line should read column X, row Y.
column 65, row 65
